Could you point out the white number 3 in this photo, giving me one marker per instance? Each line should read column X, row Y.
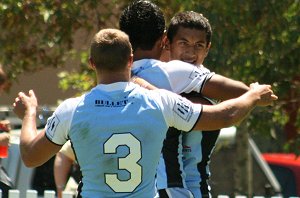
column 129, row 162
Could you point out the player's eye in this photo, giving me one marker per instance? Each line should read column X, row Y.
column 182, row 43
column 199, row 46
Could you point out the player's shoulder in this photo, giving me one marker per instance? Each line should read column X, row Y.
column 163, row 95
column 68, row 104
column 180, row 67
column 180, row 64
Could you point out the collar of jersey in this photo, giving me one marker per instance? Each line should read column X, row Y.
column 113, row 86
column 142, row 64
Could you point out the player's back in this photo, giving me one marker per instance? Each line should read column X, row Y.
column 175, row 76
column 123, row 133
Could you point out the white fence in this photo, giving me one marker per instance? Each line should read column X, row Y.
column 34, row 194
column 67, row 194
column 242, row 196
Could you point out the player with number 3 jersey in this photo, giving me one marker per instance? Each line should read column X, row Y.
column 117, row 128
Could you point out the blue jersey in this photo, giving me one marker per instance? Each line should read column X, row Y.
column 117, row 131
column 185, row 157
column 197, row 150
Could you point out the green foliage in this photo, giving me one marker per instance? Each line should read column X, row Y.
column 37, row 34
column 252, row 41
column 82, row 80
column 256, row 41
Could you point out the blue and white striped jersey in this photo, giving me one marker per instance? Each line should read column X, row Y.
column 179, row 77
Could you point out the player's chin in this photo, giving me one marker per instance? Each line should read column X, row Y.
column 190, row 61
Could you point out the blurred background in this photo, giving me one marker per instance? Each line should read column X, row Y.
column 44, row 47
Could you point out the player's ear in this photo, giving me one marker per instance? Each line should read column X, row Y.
column 167, row 44
column 163, row 39
column 130, row 61
column 208, row 47
column 91, row 64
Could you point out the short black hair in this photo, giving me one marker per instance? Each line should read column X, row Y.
column 189, row 19
column 144, row 23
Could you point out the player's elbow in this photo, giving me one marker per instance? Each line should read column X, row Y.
column 234, row 117
column 29, row 160
column 29, row 163
column 221, row 116
column 229, row 117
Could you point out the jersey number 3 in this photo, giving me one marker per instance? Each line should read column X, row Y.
column 129, row 162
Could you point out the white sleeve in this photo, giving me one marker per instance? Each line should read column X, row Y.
column 185, row 77
column 178, row 111
column 57, row 127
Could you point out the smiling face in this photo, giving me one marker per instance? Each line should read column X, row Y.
column 189, row 45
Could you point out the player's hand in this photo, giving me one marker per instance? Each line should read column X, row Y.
column 265, row 92
column 25, row 104
column 4, row 139
column 5, row 125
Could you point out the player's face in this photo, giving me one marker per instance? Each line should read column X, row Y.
column 189, row 45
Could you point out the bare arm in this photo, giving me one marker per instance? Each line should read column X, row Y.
column 35, row 148
column 233, row 111
column 222, row 88
column 62, row 168
column 143, row 83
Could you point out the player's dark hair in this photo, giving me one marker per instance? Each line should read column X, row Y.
column 144, row 23
column 189, row 19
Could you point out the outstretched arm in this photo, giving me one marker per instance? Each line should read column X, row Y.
column 35, row 148
column 222, row 88
column 233, row 111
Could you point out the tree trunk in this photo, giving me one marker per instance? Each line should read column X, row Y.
column 243, row 163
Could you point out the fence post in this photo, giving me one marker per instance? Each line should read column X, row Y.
column 67, row 194
column 49, row 194
column 14, row 194
column 31, row 194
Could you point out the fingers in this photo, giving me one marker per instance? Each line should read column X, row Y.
column 254, row 84
column 31, row 93
column 22, row 96
column 266, row 93
column 268, row 88
column 274, row 97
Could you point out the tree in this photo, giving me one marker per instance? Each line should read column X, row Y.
column 256, row 41
column 252, row 41
column 37, row 34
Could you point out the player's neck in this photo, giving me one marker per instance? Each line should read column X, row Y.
column 145, row 54
column 113, row 77
column 153, row 53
